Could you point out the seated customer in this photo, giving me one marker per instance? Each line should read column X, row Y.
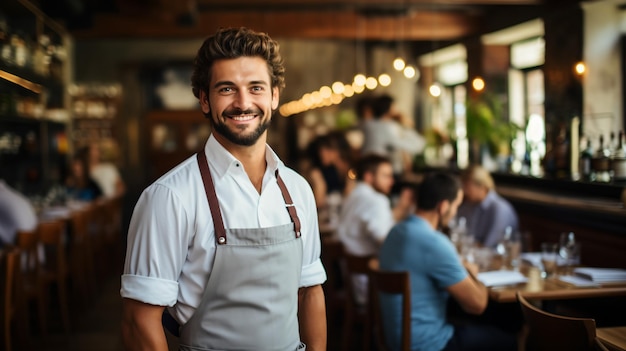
column 436, row 273
column 487, row 213
column 79, row 185
column 367, row 215
column 16, row 213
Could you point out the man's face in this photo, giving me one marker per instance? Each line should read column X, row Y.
column 450, row 210
column 382, row 180
column 240, row 100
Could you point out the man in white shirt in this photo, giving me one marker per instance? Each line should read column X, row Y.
column 228, row 239
column 384, row 135
column 367, row 214
column 16, row 213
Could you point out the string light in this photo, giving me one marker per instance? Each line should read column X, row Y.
column 478, row 84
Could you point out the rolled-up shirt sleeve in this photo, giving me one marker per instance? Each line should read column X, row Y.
column 313, row 272
column 157, row 244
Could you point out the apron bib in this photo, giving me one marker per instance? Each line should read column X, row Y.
column 251, row 299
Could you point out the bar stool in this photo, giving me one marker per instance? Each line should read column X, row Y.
column 54, row 268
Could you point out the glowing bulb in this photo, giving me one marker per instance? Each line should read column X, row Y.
column 371, row 83
column 478, row 84
column 398, row 64
column 435, row 90
column 409, row 72
column 358, row 89
column 325, row 92
column 338, row 87
column 580, row 68
column 360, row 79
column 348, row 91
column 384, row 80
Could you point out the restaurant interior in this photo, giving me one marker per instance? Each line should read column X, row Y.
column 532, row 90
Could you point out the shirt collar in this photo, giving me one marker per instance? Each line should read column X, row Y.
column 223, row 161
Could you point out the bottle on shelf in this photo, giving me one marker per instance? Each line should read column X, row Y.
column 586, row 155
column 601, row 162
column 618, row 161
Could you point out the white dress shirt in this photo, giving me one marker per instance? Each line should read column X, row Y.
column 16, row 213
column 365, row 220
column 171, row 243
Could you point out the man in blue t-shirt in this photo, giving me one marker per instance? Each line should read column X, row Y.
column 436, row 272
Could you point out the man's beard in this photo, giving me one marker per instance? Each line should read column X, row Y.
column 239, row 139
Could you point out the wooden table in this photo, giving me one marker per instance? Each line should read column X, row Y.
column 553, row 289
column 614, row 338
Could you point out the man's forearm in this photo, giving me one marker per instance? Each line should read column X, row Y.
column 142, row 328
column 312, row 317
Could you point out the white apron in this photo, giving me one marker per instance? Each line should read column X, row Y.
column 251, row 299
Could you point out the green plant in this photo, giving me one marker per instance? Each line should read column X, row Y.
column 485, row 125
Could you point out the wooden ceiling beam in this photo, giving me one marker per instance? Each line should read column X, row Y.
column 413, row 26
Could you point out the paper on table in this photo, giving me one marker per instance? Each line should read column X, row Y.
column 499, row 278
column 577, row 281
column 601, row 274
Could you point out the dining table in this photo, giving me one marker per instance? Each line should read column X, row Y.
column 553, row 288
column 614, row 338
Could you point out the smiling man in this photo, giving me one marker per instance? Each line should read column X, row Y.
column 228, row 241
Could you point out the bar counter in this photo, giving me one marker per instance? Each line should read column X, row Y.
column 595, row 212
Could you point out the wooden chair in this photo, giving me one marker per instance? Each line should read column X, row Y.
column 395, row 283
column 81, row 256
column 113, row 240
column 32, row 286
column 54, row 270
column 548, row 331
column 356, row 312
column 332, row 256
column 10, row 277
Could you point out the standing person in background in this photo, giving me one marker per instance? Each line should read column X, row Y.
column 105, row 174
column 384, row 135
column 487, row 214
column 436, row 272
column 229, row 238
column 331, row 159
column 366, row 215
column 16, row 214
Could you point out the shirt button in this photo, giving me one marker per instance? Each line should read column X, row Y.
column 221, row 240
column 236, row 164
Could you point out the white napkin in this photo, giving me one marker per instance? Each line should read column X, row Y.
column 500, row 278
column 601, row 275
column 577, row 281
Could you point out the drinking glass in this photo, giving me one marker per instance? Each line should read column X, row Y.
column 549, row 257
column 569, row 251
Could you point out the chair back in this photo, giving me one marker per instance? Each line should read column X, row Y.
column 51, row 236
column 357, row 312
column 9, row 276
column 548, row 331
column 28, row 243
column 395, row 283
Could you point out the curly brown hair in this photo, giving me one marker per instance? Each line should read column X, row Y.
column 230, row 43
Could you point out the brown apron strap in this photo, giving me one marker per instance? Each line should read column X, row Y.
column 291, row 207
column 214, row 206
column 216, row 214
